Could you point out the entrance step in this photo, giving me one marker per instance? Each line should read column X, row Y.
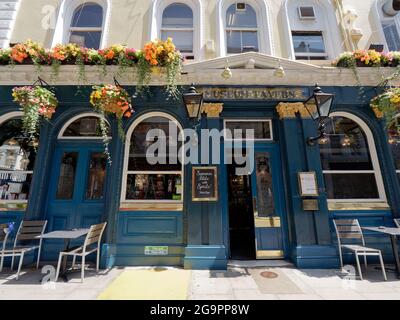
column 259, row 263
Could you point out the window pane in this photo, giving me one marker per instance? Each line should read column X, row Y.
column 97, row 175
column 165, row 139
column 88, row 39
column 88, row 15
column 262, row 129
column 392, row 35
column 246, row 18
column 265, row 196
column 241, row 41
column 154, row 187
column 66, row 180
column 14, row 186
column 177, row 15
column 183, row 40
column 16, row 152
column 84, row 127
column 345, row 146
column 308, row 42
column 351, row 186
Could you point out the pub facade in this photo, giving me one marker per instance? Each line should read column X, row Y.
column 200, row 215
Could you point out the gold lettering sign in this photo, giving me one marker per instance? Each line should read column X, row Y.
column 256, row 93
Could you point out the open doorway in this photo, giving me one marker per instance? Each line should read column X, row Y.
column 241, row 217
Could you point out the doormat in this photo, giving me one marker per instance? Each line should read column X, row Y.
column 149, row 284
column 277, row 283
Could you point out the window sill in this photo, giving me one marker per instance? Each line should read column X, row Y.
column 151, row 206
column 357, row 206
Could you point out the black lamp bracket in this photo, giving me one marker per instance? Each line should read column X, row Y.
column 321, row 133
column 40, row 82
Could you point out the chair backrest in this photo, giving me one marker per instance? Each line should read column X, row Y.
column 94, row 235
column 30, row 230
column 348, row 229
column 3, row 235
column 397, row 222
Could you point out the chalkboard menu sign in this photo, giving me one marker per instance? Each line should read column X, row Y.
column 204, row 184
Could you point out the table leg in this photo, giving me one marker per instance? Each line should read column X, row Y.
column 395, row 254
column 63, row 274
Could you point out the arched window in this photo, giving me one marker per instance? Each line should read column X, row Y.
column 17, row 160
column 83, row 126
column 394, row 142
column 241, row 29
column 349, row 161
column 177, row 23
column 312, row 30
column 390, row 21
column 87, row 25
column 153, row 171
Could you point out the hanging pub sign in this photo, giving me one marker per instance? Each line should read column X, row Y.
column 204, row 184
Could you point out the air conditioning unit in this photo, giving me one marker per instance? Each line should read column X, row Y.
column 241, row 6
column 307, row 13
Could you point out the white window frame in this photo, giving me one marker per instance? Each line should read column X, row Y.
column 185, row 54
column 67, row 9
column 327, row 25
column 381, row 18
column 374, row 159
column 127, row 172
column 77, row 117
column 158, row 8
column 249, row 120
column 264, row 28
column 4, row 118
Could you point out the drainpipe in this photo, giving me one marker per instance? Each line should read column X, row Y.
column 348, row 42
column 391, row 7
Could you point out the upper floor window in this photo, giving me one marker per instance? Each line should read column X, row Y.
column 392, row 35
column 87, row 25
column 177, row 23
column 349, row 161
column 313, row 32
column 309, row 45
column 241, row 29
column 390, row 21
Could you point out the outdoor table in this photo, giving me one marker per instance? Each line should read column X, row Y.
column 67, row 235
column 393, row 233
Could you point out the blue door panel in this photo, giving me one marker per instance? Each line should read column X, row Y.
column 269, row 238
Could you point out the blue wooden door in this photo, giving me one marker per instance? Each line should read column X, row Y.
column 268, row 202
column 77, row 186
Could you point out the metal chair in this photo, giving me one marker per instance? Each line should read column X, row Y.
column 91, row 245
column 397, row 222
column 27, row 231
column 351, row 230
column 4, row 232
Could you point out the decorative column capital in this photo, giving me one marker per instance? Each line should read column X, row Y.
column 289, row 110
column 213, row 110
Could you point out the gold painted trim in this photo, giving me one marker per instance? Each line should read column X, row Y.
column 378, row 113
column 8, row 206
column 332, row 206
column 153, row 206
column 270, row 254
column 289, row 110
column 213, row 110
column 271, row 222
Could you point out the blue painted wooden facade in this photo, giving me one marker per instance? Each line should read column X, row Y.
column 198, row 236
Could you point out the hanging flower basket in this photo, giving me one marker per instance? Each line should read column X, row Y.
column 37, row 103
column 160, row 54
column 111, row 100
column 387, row 104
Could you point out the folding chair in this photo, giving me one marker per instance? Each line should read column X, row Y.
column 350, row 229
column 397, row 222
column 4, row 232
column 91, row 245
